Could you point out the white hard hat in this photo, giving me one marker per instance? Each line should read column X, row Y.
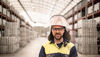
column 58, row 20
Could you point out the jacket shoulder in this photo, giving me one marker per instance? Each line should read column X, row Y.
column 70, row 45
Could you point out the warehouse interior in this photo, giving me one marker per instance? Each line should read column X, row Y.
column 24, row 25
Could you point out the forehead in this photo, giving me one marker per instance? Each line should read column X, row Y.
column 57, row 26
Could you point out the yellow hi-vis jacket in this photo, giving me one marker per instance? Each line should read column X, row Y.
column 52, row 50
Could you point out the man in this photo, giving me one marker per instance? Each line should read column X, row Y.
column 59, row 44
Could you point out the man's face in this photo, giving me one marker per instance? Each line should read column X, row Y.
column 57, row 31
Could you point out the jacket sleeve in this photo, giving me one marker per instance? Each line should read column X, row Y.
column 73, row 52
column 42, row 52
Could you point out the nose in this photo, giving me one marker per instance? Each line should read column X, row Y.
column 57, row 30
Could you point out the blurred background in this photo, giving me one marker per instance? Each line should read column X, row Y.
column 25, row 25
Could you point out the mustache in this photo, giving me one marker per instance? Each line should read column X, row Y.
column 58, row 34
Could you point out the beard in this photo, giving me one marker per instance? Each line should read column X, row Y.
column 58, row 36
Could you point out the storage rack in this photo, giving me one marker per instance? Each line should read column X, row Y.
column 85, row 15
column 83, row 7
column 9, row 15
column 12, row 12
column 74, row 21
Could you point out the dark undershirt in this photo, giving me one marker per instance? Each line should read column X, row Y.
column 60, row 44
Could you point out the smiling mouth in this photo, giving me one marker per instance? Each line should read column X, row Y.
column 58, row 35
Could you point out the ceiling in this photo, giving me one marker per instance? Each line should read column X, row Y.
column 38, row 12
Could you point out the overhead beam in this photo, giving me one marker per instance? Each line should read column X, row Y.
column 53, row 7
column 26, row 11
column 66, row 6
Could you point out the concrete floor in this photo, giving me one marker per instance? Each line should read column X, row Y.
column 33, row 48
